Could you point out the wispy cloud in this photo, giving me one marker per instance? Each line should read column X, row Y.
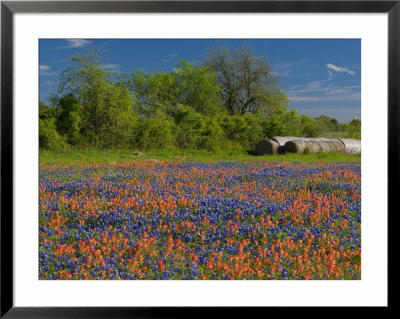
column 44, row 67
column 352, row 87
column 284, row 73
column 330, row 77
column 331, row 98
column 72, row 44
column 49, row 83
column 312, row 87
column 45, row 70
column 283, row 65
column 77, row 43
column 288, row 69
column 324, row 91
column 111, row 67
column 288, row 65
column 339, row 69
column 169, row 57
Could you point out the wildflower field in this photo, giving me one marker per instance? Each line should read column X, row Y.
column 188, row 220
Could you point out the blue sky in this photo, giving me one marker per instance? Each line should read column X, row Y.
column 321, row 76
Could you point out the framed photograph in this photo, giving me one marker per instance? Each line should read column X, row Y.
column 165, row 157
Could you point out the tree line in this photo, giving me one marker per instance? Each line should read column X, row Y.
column 229, row 102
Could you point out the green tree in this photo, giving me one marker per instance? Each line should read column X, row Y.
column 155, row 132
column 310, row 127
column 198, row 87
column 107, row 118
column 188, row 84
column 292, row 122
column 247, row 81
column 241, row 131
column 353, row 129
column 152, row 92
column 83, row 73
column 43, row 107
column 69, row 120
column 283, row 122
column 190, row 127
column 48, row 135
column 213, row 135
column 326, row 124
column 102, row 109
column 334, row 124
column 254, row 130
column 47, row 112
column 274, row 126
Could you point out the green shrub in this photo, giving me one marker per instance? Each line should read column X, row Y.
column 310, row 127
column 190, row 127
column 107, row 118
column 242, row 131
column 254, row 130
column 69, row 119
column 212, row 135
column 353, row 129
column 49, row 137
column 155, row 133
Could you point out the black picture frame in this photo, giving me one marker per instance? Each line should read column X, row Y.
column 9, row 8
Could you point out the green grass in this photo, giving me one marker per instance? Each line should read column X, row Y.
column 72, row 156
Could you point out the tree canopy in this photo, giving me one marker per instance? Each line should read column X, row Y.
column 248, row 83
column 230, row 102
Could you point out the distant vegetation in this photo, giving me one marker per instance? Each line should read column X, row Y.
column 228, row 104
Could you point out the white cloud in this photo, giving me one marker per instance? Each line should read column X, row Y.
column 45, row 70
column 352, row 87
column 169, row 57
column 332, row 98
column 312, row 86
column 77, row 43
column 283, row 65
column 44, row 67
column 316, row 93
column 285, row 73
column 110, row 67
column 339, row 69
column 323, row 91
column 330, row 77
